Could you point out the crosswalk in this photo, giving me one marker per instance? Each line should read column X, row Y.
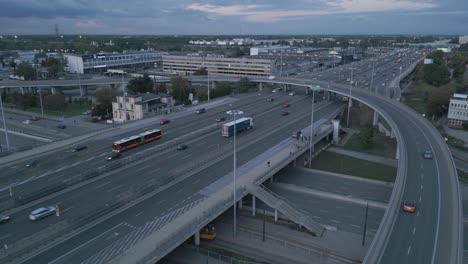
column 138, row 234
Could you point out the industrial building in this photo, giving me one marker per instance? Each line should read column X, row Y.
column 462, row 40
column 137, row 106
column 187, row 65
column 100, row 62
column 458, row 110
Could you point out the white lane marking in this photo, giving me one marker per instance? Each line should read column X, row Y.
column 63, row 211
column 414, row 230
column 422, row 176
column 82, row 245
column 142, row 168
column 420, row 198
column 155, row 170
column 422, row 167
column 187, row 156
column 4, row 236
column 356, row 226
column 139, row 213
column 99, row 186
column 114, row 188
column 8, row 195
column 171, row 155
column 196, row 181
column 53, row 178
column 212, row 145
column 421, row 186
column 409, row 249
column 335, row 221
column 417, row 214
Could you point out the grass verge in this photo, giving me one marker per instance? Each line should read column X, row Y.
column 382, row 146
column 334, row 162
column 462, row 176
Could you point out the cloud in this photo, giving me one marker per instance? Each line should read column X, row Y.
column 268, row 14
column 432, row 13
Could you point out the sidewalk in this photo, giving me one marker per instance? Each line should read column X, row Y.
column 286, row 245
column 365, row 156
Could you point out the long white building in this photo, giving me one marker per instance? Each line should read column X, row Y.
column 102, row 61
column 458, row 110
column 218, row 66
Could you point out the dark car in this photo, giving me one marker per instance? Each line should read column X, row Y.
column 79, row 148
column 31, row 163
column 181, row 147
column 200, row 111
column 34, row 118
column 270, row 100
column 113, row 156
column 285, row 113
column 427, row 154
column 164, row 121
column 221, row 119
column 4, row 219
column 61, row 126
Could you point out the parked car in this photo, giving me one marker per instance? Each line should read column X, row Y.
column 182, row 147
column 62, row 126
column 27, row 122
column 113, row 156
column 79, row 148
column 220, row 119
column 34, row 118
column 285, row 105
column 42, row 212
column 164, row 121
column 4, row 219
column 292, row 93
column 285, row 113
column 270, row 100
column 86, row 113
column 428, row 154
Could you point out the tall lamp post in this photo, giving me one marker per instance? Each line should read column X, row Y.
column 311, row 145
column 234, row 113
column 4, row 124
column 349, row 100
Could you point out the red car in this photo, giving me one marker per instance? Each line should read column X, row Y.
column 285, row 106
column 409, row 206
column 164, row 121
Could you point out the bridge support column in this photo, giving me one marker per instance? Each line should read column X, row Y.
column 83, row 91
column 328, row 96
column 397, row 154
column 375, row 121
column 307, row 90
column 112, row 86
column 336, row 130
column 253, row 205
column 22, row 90
column 276, row 215
column 260, row 87
column 392, row 134
column 240, row 203
column 196, row 237
column 272, row 179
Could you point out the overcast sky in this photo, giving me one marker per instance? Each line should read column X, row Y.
column 234, row 16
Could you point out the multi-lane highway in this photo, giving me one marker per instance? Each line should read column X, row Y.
column 432, row 229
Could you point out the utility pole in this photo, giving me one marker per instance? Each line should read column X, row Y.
column 4, row 124
column 372, row 78
column 365, row 225
column 349, row 99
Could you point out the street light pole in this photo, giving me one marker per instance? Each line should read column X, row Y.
column 208, row 73
column 40, row 94
column 372, row 77
column 311, row 145
column 4, row 124
column 349, row 99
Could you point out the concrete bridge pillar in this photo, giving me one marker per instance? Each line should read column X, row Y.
column 253, row 205
column 307, row 90
column 328, row 96
column 336, row 130
column 260, row 87
column 276, row 215
column 240, row 203
column 83, row 91
column 375, row 121
column 272, row 178
column 112, row 86
column 196, row 237
column 22, row 90
column 397, row 154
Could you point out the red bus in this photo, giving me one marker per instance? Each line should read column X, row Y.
column 135, row 141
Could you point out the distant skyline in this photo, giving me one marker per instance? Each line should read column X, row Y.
column 225, row 17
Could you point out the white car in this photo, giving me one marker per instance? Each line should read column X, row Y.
column 274, row 91
column 41, row 213
column 27, row 122
column 291, row 93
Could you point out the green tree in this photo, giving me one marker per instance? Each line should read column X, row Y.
column 26, row 70
column 366, row 137
column 244, row 85
column 465, row 125
column 140, row 84
column 180, row 89
column 161, row 88
column 104, row 98
column 457, row 63
column 436, row 74
column 201, row 95
column 12, row 63
column 222, row 89
column 438, row 101
column 201, row 71
column 438, row 57
column 99, row 110
column 54, row 66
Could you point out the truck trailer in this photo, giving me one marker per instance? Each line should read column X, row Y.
column 241, row 124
